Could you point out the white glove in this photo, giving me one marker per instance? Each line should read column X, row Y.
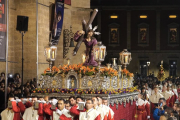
column 18, row 100
column 43, row 101
column 30, row 99
column 13, row 100
column 25, row 99
column 49, row 101
column 54, row 101
column 58, row 112
column 148, row 117
column 136, row 104
column 38, row 101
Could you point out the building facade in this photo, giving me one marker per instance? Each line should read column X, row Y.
column 148, row 29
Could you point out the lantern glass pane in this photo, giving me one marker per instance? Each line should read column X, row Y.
column 126, row 59
column 53, row 53
column 48, row 53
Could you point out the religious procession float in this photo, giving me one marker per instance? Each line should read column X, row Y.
column 89, row 78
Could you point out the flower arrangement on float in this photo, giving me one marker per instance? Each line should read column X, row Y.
column 85, row 70
column 125, row 72
column 85, row 91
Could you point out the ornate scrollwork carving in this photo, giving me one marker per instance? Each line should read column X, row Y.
column 67, row 34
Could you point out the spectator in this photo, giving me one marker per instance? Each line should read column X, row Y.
column 156, row 116
column 17, row 78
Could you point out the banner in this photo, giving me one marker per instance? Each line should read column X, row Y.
column 2, row 30
column 58, row 21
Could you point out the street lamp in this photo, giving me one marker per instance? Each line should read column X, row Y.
column 99, row 53
column 148, row 64
column 125, row 57
column 50, row 54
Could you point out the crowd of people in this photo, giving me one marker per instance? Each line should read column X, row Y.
column 14, row 87
column 157, row 100
column 39, row 108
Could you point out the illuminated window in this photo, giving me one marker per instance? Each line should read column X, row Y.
column 143, row 16
column 114, row 16
column 172, row 16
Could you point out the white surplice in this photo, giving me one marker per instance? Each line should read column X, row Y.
column 30, row 114
column 154, row 98
column 65, row 112
column 7, row 115
column 89, row 115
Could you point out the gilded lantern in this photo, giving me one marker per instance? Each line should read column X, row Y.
column 99, row 52
column 125, row 57
column 50, row 53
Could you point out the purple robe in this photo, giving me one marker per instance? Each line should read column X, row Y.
column 89, row 50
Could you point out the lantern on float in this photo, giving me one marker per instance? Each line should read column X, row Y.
column 50, row 54
column 99, row 52
column 125, row 58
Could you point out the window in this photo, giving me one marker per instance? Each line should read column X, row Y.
column 173, row 34
column 172, row 16
column 143, row 34
column 173, row 67
column 143, row 67
column 113, row 16
column 143, row 16
column 114, row 34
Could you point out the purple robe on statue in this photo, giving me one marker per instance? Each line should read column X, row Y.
column 89, row 50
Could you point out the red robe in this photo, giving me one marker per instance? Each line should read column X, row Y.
column 109, row 117
column 28, row 104
column 48, row 110
column 46, row 115
column 75, row 112
column 63, row 117
column 98, row 117
column 41, row 112
column 16, row 111
column 147, row 107
column 152, row 110
column 141, row 111
column 173, row 99
column 22, row 107
column 178, row 90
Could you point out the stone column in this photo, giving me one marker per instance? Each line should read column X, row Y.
column 99, row 24
column 158, row 30
column 128, row 29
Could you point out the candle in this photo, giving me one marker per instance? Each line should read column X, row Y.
column 83, row 58
column 114, row 62
column 52, row 54
column 68, row 61
column 48, row 54
column 101, row 54
column 126, row 59
column 161, row 62
column 96, row 55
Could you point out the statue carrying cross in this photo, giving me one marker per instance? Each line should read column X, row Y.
column 86, row 36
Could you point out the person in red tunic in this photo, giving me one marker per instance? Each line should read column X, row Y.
column 46, row 98
column 60, row 112
column 48, row 108
column 75, row 109
column 72, row 100
column 32, row 113
column 166, row 95
column 15, row 110
column 90, row 113
column 141, row 110
column 67, row 105
column 28, row 103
